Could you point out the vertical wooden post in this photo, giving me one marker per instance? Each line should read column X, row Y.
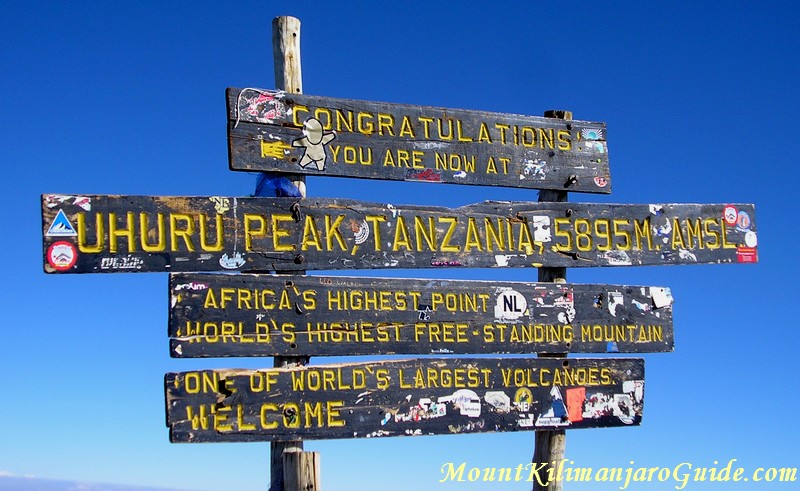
column 550, row 445
column 301, row 471
column 288, row 72
column 288, row 458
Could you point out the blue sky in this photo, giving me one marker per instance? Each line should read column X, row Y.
column 700, row 101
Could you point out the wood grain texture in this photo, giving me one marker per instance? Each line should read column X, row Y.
column 213, row 315
column 404, row 398
column 269, row 131
column 287, row 469
column 150, row 233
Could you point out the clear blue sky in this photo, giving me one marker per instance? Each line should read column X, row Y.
column 701, row 103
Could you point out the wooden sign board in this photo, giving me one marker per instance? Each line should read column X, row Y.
column 404, row 398
column 269, row 315
column 274, row 131
column 99, row 234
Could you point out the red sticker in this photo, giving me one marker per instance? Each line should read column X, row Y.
column 746, row 254
column 731, row 215
column 62, row 255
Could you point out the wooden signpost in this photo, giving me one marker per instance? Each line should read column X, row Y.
column 291, row 469
column 291, row 316
column 404, row 398
column 287, row 132
column 103, row 234
column 268, row 315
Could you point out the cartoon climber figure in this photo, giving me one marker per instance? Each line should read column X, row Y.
column 314, row 141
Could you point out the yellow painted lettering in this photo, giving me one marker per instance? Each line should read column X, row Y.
column 449, row 135
column 602, row 230
column 473, row 239
column 406, row 129
column 426, row 125
column 448, row 235
column 385, row 122
column 310, row 234
column 388, row 159
column 428, row 234
column 461, row 137
column 626, row 244
column 185, row 234
column 503, row 128
column 709, row 232
column 251, row 231
column 494, row 235
column 204, row 245
column 344, row 121
column 296, row 110
column 114, row 232
column 366, row 126
column 160, row 233
column 559, row 222
column 564, row 140
column 693, row 232
column 278, row 233
column 725, row 243
column 267, row 408
column 240, row 419
column 483, row 133
column 333, row 414
column 210, row 301
column 332, row 232
column 642, row 229
column 525, row 241
column 678, row 242
column 375, row 220
column 546, row 138
column 312, row 410
column 583, row 236
column 491, row 168
column 100, row 240
column 401, row 238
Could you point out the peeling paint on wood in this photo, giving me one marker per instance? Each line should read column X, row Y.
column 404, row 398
column 278, row 132
column 266, row 315
column 99, row 234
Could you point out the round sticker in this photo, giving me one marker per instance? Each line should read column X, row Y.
column 750, row 239
column 62, row 255
column 730, row 215
column 523, row 398
column 743, row 222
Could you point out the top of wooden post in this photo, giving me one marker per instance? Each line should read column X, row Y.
column 286, row 53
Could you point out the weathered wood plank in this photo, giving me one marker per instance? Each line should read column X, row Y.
column 404, row 398
column 265, row 315
column 97, row 234
column 279, row 132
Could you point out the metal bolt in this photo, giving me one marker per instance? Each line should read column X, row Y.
column 295, row 209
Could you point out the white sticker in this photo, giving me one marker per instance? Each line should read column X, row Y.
column 510, row 305
column 662, row 297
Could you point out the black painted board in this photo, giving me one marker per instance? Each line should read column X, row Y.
column 303, row 134
column 98, row 234
column 404, row 398
column 220, row 315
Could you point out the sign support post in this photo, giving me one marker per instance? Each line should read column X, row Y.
column 550, row 445
column 290, row 467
